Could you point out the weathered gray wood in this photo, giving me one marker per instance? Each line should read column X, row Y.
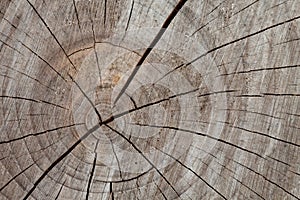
column 152, row 99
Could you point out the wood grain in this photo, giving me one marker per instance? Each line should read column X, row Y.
column 155, row 99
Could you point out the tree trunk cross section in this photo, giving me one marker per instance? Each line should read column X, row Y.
column 131, row 99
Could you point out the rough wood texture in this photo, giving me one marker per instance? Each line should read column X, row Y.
column 149, row 99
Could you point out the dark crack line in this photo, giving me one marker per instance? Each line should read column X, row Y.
column 82, row 49
column 254, row 112
column 32, row 100
column 5, row 76
column 171, row 71
column 261, row 134
column 261, row 69
column 293, row 114
column 272, row 182
column 141, row 153
column 76, row 13
column 160, row 191
column 232, row 42
column 48, row 64
column 127, row 180
column 163, row 100
column 64, row 171
column 98, row 65
column 78, row 86
column 268, row 94
column 120, row 46
column 203, row 135
column 152, row 45
column 14, row 177
column 130, row 14
column 53, row 104
column 115, row 154
column 247, row 36
column 37, row 114
column 60, row 189
column 64, row 155
column 138, row 189
column 14, row 26
column 38, row 133
column 251, row 4
column 30, row 77
column 18, row 120
column 298, row 174
column 268, row 160
column 210, row 20
column 287, row 41
column 132, row 100
column 92, row 173
column 111, row 191
column 215, row 8
column 207, row 165
column 281, row 94
column 95, row 52
column 89, row 100
column 244, row 166
column 277, row 5
column 105, row 12
column 11, row 47
column 249, row 96
column 224, row 166
column 204, row 181
column 231, row 170
column 217, row 92
column 48, row 28
column 203, row 26
column 272, row 158
column 152, row 103
column 229, row 158
column 33, row 152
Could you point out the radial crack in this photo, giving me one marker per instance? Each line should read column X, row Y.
column 224, row 166
column 14, row 177
column 203, row 135
column 32, row 100
column 130, row 13
column 111, row 191
column 233, row 42
column 115, row 154
column 59, row 159
column 160, row 191
column 141, row 153
column 261, row 134
column 48, row 28
column 89, row 100
column 261, row 69
column 60, row 189
column 178, row 161
column 95, row 52
column 30, row 77
column 152, row 45
column 92, row 174
column 163, row 100
column 38, row 133
column 76, row 12
column 11, row 47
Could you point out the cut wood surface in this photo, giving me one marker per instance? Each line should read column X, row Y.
column 149, row 99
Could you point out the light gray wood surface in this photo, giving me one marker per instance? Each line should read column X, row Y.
column 152, row 99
